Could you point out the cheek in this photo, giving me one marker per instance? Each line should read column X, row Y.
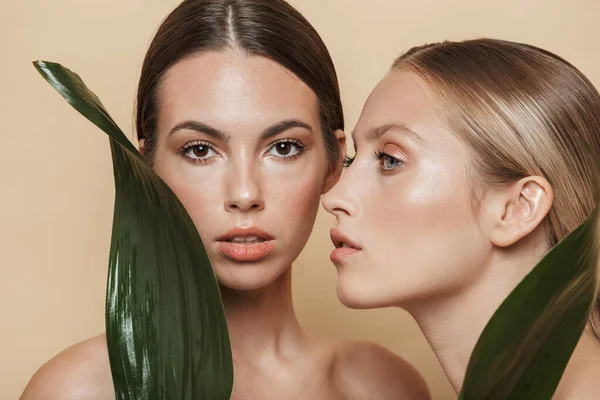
column 425, row 207
column 200, row 199
column 198, row 189
column 425, row 225
column 295, row 198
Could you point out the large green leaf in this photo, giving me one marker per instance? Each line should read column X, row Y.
column 165, row 325
column 525, row 347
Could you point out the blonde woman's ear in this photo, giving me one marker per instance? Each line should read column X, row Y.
column 141, row 143
column 336, row 169
column 518, row 209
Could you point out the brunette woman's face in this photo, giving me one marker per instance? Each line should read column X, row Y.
column 239, row 142
column 406, row 227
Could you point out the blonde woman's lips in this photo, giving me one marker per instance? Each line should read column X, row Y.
column 344, row 247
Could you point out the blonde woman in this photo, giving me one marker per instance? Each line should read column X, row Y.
column 468, row 169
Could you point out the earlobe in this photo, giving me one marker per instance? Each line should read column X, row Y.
column 520, row 208
column 334, row 173
column 141, row 144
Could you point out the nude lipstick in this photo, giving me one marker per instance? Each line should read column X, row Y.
column 246, row 244
column 344, row 247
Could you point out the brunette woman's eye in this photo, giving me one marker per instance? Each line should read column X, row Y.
column 286, row 149
column 198, row 151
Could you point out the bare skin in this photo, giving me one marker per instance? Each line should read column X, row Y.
column 307, row 366
column 241, row 179
column 422, row 246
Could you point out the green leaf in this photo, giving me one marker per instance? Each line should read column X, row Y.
column 165, row 324
column 524, row 349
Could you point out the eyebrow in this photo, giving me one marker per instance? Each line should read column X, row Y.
column 375, row 133
column 200, row 127
column 283, row 126
column 273, row 130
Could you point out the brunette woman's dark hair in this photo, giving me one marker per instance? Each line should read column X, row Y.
column 268, row 28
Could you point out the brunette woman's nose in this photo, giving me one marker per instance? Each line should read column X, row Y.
column 244, row 193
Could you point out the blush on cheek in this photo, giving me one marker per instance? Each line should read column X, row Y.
column 425, row 241
column 435, row 199
column 301, row 202
column 411, row 220
column 200, row 201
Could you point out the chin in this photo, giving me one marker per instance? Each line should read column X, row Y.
column 358, row 292
column 352, row 302
column 247, row 277
column 354, row 294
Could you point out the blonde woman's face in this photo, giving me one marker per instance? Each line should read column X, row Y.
column 405, row 218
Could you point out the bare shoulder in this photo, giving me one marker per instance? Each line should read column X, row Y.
column 81, row 372
column 580, row 379
column 363, row 370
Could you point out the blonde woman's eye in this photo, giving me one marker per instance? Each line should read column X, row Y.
column 388, row 162
column 347, row 161
column 286, row 149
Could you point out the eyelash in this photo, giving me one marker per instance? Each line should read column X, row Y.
column 294, row 142
column 190, row 145
column 379, row 155
column 347, row 161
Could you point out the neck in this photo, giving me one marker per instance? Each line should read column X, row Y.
column 262, row 323
column 452, row 325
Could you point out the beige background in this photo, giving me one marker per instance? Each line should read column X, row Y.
column 56, row 189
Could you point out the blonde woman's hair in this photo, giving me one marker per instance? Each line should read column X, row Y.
column 522, row 111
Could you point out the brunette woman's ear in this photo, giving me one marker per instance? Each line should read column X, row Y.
column 141, row 144
column 518, row 209
column 336, row 167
